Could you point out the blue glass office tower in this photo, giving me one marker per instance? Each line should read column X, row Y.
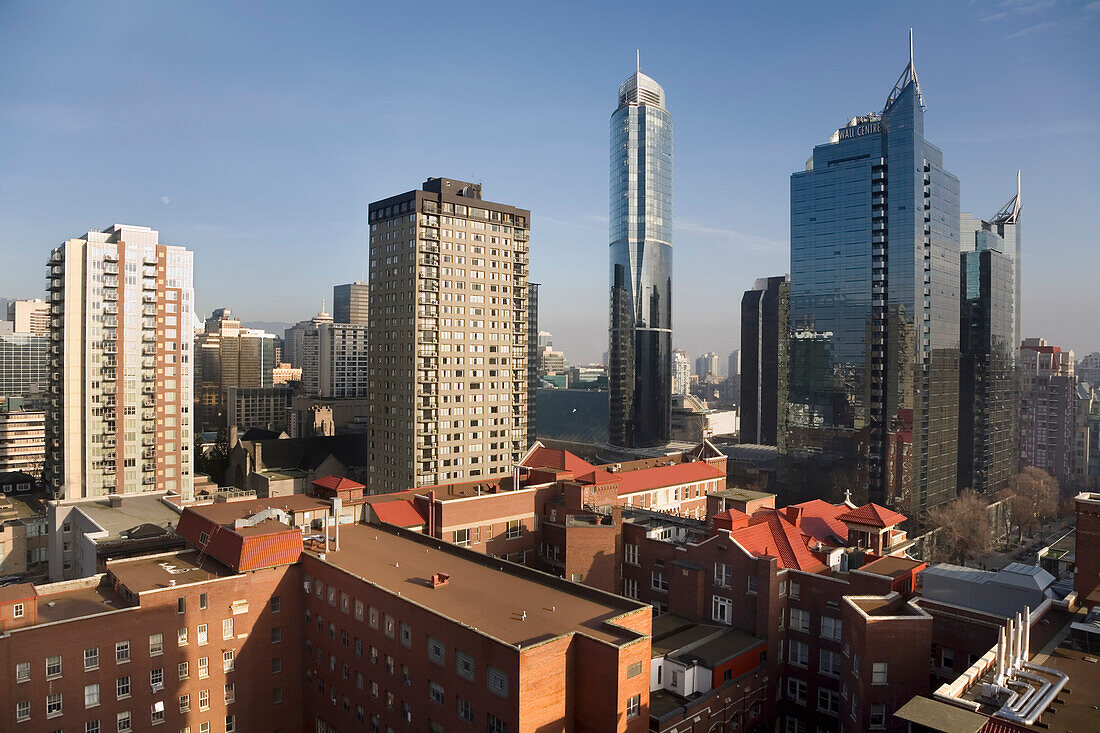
column 874, row 309
column 640, row 329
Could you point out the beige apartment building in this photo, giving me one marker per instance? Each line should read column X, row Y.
column 448, row 336
column 30, row 316
column 120, row 372
column 228, row 356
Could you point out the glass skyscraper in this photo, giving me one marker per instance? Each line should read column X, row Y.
column 640, row 332
column 874, row 310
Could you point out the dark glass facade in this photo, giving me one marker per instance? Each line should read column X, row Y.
column 761, row 331
column 874, row 325
column 988, row 398
column 640, row 328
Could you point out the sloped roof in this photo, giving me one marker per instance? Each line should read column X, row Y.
column 307, row 454
column 656, row 478
column 337, row 483
column 872, row 515
column 561, row 460
column 770, row 534
column 401, row 513
column 820, row 521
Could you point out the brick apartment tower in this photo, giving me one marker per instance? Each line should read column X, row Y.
column 448, row 336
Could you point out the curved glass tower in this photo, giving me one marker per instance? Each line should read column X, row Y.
column 640, row 335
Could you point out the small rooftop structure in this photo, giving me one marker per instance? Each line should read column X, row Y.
column 1003, row 593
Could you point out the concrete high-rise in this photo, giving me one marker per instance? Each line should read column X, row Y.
column 448, row 336
column 761, row 331
column 24, row 364
column 874, row 344
column 681, row 373
column 988, row 346
column 532, row 362
column 1048, row 408
column 228, row 356
column 335, row 361
column 706, row 366
column 350, row 303
column 640, row 333
column 294, row 338
column 30, row 316
column 119, row 417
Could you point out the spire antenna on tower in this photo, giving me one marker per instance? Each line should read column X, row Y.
column 638, row 53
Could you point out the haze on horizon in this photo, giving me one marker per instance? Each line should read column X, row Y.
column 257, row 134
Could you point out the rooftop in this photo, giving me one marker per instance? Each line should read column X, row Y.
column 891, row 566
column 166, row 570
column 552, row 607
column 132, row 512
column 65, row 601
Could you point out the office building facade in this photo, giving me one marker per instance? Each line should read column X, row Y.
column 119, row 416
column 335, row 361
column 761, row 332
column 30, row 316
column 24, row 364
column 448, row 336
column 640, row 338
column 228, row 356
column 988, row 329
column 350, row 303
column 1048, row 409
column 874, row 344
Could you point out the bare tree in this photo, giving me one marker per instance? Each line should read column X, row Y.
column 1033, row 494
column 963, row 530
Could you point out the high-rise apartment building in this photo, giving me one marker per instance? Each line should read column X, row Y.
column 761, row 331
column 681, row 373
column 24, row 364
column 1048, row 408
column 532, row 361
column 707, row 367
column 640, row 338
column 228, row 356
column 448, row 336
column 294, row 338
column 350, row 303
column 22, row 439
column 988, row 350
column 335, row 361
column 1088, row 369
column 119, row 418
column 874, row 344
column 30, row 316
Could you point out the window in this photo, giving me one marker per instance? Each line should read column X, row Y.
column 156, row 715
column 204, row 699
column 276, row 665
column 465, row 710
column 204, row 668
column 796, row 690
column 156, row 679
column 230, row 723
column 122, row 687
column 125, row 723
column 227, row 660
column 276, row 634
column 878, row 716
column 277, row 695
column 53, row 705
column 798, row 654
column 227, row 628
column 658, row 581
column 406, row 635
column 122, row 652
column 515, row 529
column 630, row 588
column 204, row 727
column 230, row 692
column 201, row 634
column 878, row 673
column 465, row 666
column 388, row 626
column 185, row 703
column 634, row 706
column 830, row 628
column 947, row 658
column 630, row 553
column 91, row 659
column 17, row 610
column 634, row 670
column 23, row 710
column 497, row 681
column 92, row 726
column 828, row 701
column 22, row 671
column 752, row 585
column 794, row 725
column 276, row 604
column 722, row 610
column 462, row 537
column 181, row 605
column 53, row 666
column 828, row 662
column 437, row 651
column 202, row 601
column 156, row 644
column 723, row 575
column 800, row 620
column 91, row 695
column 796, row 589
column 496, row 725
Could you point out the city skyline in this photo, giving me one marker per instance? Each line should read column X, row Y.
column 200, row 169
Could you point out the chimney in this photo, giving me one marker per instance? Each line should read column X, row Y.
column 439, row 579
column 233, row 439
column 794, row 515
column 114, row 501
column 258, row 457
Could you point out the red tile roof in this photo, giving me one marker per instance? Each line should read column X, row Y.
column 561, row 460
column 819, row 520
column 265, row 544
column 770, row 534
column 401, row 513
column 337, row 483
column 872, row 515
column 646, row 479
column 17, row 592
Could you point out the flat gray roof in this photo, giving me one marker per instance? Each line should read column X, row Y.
column 133, row 512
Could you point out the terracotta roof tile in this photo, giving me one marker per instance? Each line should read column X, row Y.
column 646, row 479
column 401, row 513
column 819, row 520
column 872, row 515
column 562, row 460
column 772, row 535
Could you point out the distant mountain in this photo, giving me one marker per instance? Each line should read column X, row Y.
column 275, row 327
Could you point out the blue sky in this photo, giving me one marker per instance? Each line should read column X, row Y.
column 257, row 133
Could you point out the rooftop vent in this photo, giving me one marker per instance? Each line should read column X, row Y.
column 439, row 579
